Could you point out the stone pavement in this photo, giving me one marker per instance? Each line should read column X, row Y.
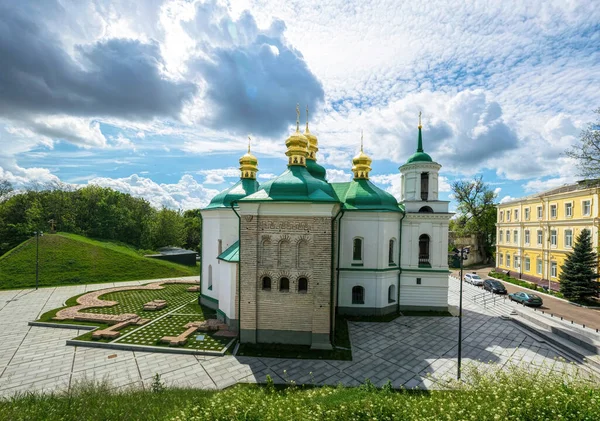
column 403, row 351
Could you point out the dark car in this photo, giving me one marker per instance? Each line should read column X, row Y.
column 526, row 299
column 494, row 286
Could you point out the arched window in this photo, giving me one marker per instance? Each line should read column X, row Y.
column 209, row 276
column 358, row 295
column 266, row 283
column 284, row 284
column 424, row 250
column 424, row 186
column 303, row 285
column 302, row 254
column 266, row 252
column 357, row 249
column 284, row 254
column 425, row 209
column 391, row 251
column 392, row 294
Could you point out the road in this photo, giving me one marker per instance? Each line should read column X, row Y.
column 590, row 317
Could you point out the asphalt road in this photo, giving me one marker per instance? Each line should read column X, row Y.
column 590, row 317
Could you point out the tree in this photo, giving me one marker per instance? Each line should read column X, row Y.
column 578, row 277
column 476, row 213
column 587, row 150
column 5, row 188
column 193, row 227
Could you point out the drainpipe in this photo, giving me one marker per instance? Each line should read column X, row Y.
column 337, row 277
column 201, row 244
column 399, row 262
column 332, row 309
column 239, row 270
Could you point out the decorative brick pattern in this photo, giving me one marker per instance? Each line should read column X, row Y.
column 155, row 305
column 209, row 325
column 112, row 332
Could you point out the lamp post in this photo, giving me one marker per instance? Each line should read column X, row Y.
column 459, row 359
column 37, row 234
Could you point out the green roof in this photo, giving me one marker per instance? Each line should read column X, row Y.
column 364, row 195
column 315, row 169
column 420, row 155
column 241, row 189
column 232, row 254
column 294, row 185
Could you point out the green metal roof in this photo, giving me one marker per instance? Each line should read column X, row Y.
column 315, row 169
column 420, row 155
column 232, row 254
column 366, row 196
column 242, row 188
column 294, row 185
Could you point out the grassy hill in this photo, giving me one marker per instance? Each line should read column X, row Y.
column 68, row 259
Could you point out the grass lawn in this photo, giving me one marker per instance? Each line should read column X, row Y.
column 506, row 393
column 69, row 259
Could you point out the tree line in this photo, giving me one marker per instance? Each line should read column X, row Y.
column 96, row 212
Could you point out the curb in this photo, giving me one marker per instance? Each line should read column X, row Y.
column 533, row 290
column 62, row 326
column 144, row 348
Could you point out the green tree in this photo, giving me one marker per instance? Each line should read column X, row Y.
column 476, row 213
column 587, row 150
column 578, row 277
column 193, row 228
column 5, row 188
column 167, row 229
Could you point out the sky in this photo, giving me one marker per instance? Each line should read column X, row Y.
column 157, row 97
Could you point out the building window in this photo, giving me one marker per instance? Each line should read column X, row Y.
column 516, row 236
column 539, row 212
column 526, row 236
column 516, row 262
column 209, row 276
column 553, row 237
column 553, row 269
column 553, row 211
column 284, row 285
column 508, row 216
column 501, row 216
column 507, row 260
column 303, row 285
column 500, row 236
column 266, row 283
column 539, row 266
column 526, row 214
column 424, row 186
column 357, row 249
column 424, row 249
column 500, row 260
column 587, row 208
column 516, row 214
column 392, row 294
column 418, row 281
column 568, row 238
column 358, row 295
column 508, row 236
column 568, row 210
column 391, row 252
column 527, row 264
column 539, row 237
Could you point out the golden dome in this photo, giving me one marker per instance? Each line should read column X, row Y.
column 248, row 164
column 297, row 145
column 361, row 163
column 313, row 143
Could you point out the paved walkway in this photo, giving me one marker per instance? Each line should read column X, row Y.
column 404, row 351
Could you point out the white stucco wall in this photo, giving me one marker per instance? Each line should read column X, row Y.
column 431, row 292
column 376, row 285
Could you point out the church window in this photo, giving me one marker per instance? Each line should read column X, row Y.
column 425, row 209
column 302, row 254
column 358, row 295
column 357, row 253
column 209, row 276
column 391, row 252
column 392, row 294
column 266, row 283
column 303, row 285
column 284, row 284
column 285, row 254
column 424, row 186
column 424, row 250
column 266, row 252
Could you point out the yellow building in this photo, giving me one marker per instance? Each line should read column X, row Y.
column 535, row 233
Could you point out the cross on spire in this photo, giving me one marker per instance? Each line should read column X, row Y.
column 249, row 139
column 297, row 117
column 361, row 140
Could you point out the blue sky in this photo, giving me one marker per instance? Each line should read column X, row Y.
column 156, row 98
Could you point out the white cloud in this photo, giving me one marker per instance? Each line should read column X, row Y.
column 506, row 199
column 266, row 176
column 497, row 190
column 185, row 194
column 338, row 176
column 214, row 179
column 221, row 172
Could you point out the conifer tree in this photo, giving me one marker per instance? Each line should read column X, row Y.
column 578, row 278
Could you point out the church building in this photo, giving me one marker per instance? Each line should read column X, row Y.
column 280, row 259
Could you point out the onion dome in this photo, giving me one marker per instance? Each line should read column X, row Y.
column 248, row 164
column 243, row 188
column 315, row 169
column 361, row 163
column 420, row 155
column 363, row 195
column 297, row 145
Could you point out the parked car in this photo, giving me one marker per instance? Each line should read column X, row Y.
column 473, row 279
column 526, row 299
column 494, row 286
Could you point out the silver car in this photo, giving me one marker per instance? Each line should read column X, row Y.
column 473, row 279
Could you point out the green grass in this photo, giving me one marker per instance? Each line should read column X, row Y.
column 508, row 394
column 69, row 259
column 524, row 284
